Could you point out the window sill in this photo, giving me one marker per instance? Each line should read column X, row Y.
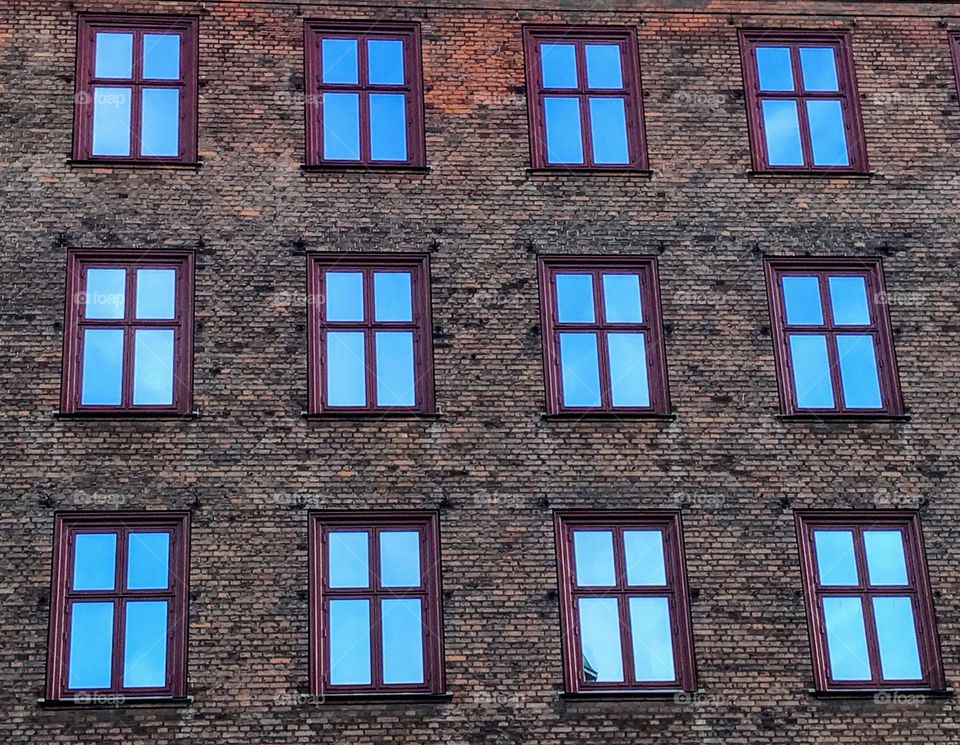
column 591, row 171
column 826, row 173
column 369, row 416
column 118, row 415
column 605, row 416
column 389, row 698
column 676, row 695
column 138, row 165
column 114, row 701
column 838, row 417
column 377, row 167
column 881, row 695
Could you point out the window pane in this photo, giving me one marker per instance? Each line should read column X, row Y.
column 801, row 298
column 148, row 561
column 846, row 638
column 113, row 57
column 819, row 69
column 400, row 558
column 827, row 135
column 94, row 561
column 161, row 56
column 392, row 296
column 781, row 129
column 341, row 126
column 91, row 645
column 848, row 300
column 897, row 638
column 385, row 61
column 402, row 628
column 346, row 369
column 593, row 558
column 102, row 367
column 811, row 371
column 153, row 367
column 645, row 558
column 111, row 121
column 156, row 293
column 628, row 369
column 621, row 298
column 395, row 374
column 160, row 128
column 608, row 130
column 773, row 68
column 558, row 63
column 388, row 126
column 564, row 137
column 339, row 60
column 349, row 642
column 858, row 371
column 579, row 370
column 600, row 640
column 105, row 296
column 145, row 644
column 836, row 561
column 603, row 66
column 886, row 561
column 349, row 558
column 575, row 298
column 652, row 639
column 344, row 296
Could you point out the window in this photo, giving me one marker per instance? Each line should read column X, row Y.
column 370, row 337
column 869, row 608
column 136, row 88
column 364, row 94
column 802, row 104
column 832, row 337
column 128, row 333
column 955, row 53
column 375, row 605
column 583, row 94
column 623, row 590
column 118, row 612
column 603, row 346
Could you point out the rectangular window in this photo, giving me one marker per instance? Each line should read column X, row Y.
column 370, row 334
column 954, row 40
column 869, row 606
column 802, row 101
column 118, row 613
column 584, row 99
column 624, row 609
column 128, row 332
column 832, row 337
column 364, row 94
column 375, row 606
column 136, row 88
column 603, row 347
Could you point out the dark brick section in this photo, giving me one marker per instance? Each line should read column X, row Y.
column 250, row 466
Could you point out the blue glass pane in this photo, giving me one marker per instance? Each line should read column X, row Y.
column 94, row 561
column 827, row 135
column 392, row 296
column 621, row 298
column 608, row 131
column 344, row 296
column 113, row 57
column 160, row 128
column 575, row 298
column 564, row 135
column 836, row 562
column 773, row 69
column 558, row 63
column 846, row 638
column 811, row 371
column 897, row 638
column 600, row 640
column 848, row 299
column 388, row 126
column 161, row 56
column 402, row 635
column 859, row 378
column 781, row 129
column 886, row 562
column 652, row 639
column 603, row 66
column 385, row 61
column 819, row 68
column 105, row 295
column 579, row 370
column 145, row 644
column 395, row 374
column 339, row 60
column 628, row 369
column 91, row 645
column 153, row 367
column 346, row 385
column 111, row 121
column 349, row 556
column 400, row 558
column 341, row 126
column 148, row 561
column 593, row 558
column 801, row 297
column 156, row 293
column 645, row 557
column 102, row 367
column 349, row 642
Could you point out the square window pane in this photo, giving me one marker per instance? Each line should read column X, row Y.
column 385, row 61
column 349, row 642
column 773, row 68
column 603, row 66
column 781, row 130
column 819, row 68
column 811, row 371
column 579, row 370
column 349, row 558
column 341, row 126
column 801, row 298
column 145, row 644
column 859, row 378
column 113, row 55
column 344, row 296
column 575, row 298
column 558, row 64
column 91, row 646
column 600, row 640
column 402, row 636
column 645, row 558
column 628, row 369
column 828, row 137
column 161, row 56
column 395, row 370
column 652, row 639
column 160, row 127
column 156, row 293
column 105, row 293
column 388, row 126
column 400, row 558
column 153, row 367
column 886, row 560
column 148, row 561
column 564, row 134
column 897, row 638
column 392, row 296
column 846, row 638
column 836, row 561
column 848, row 300
column 608, row 131
column 102, row 367
column 111, row 121
column 346, row 369
column 621, row 298
column 593, row 558
column 94, row 561
column 339, row 60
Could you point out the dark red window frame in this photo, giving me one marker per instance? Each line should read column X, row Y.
column 880, row 328
column 88, row 25
column 66, row 526
column 419, row 267
column 669, row 522
column 847, row 82
column 632, row 91
column 551, row 265
column 954, row 41
column 908, row 522
column 314, row 31
column 427, row 524
column 75, row 323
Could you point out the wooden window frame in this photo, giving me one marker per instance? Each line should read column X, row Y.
column 953, row 39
